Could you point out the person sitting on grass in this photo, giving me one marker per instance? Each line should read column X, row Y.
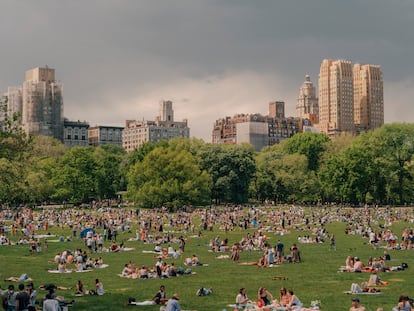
column 264, row 297
column 99, row 287
column 358, row 265
column 403, row 304
column 195, row 261
column 62, row 267
column 79, row 288
column 173, row 304
column 161, row 296
column 356, row 306
column 374, row 280
column 294, row 302
column 242, row 299
column 284, row 297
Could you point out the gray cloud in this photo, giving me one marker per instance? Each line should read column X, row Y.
column 117, row 59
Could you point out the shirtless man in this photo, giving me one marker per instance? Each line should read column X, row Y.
column 355, row 305
column 358, row 265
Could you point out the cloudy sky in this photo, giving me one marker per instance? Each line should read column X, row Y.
column 213, row 58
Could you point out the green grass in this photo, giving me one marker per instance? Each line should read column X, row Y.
column 315, row 278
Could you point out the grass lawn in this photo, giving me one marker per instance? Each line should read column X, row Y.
column 316, row 278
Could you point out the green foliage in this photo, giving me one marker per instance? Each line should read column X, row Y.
column 284, row 177
column 231, row 168
column 108, row 170
column 75, row 177
column 374, row 167
column 310, row 145
column 168, row 177
column 14, row 143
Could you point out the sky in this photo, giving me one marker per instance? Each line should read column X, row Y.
column 117, row 59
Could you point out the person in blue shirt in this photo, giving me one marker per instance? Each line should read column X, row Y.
column 173, row 304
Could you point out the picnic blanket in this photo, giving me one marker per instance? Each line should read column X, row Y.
column 142, row 303
column 363, row 293
column 57, row 271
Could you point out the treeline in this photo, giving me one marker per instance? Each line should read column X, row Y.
column 374, row 168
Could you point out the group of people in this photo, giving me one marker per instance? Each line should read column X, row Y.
column 404, row 304
column 21, row 299
column 79, row 259
column 98, row 290
column 25, row 299
column 160, row 298
column 287, row 300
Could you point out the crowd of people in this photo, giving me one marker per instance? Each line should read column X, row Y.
column 162, row 229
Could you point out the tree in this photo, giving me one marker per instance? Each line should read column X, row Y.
column 108, row 171
column 168, row 177
column 74, row 179
column 14, row 143
column 231, row 168
column 11, row 185
column 394, row 147
column 310, row 145
column 282, row 177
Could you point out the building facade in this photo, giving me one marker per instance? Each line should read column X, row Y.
column 14, row 102
column 75, row 133
column 277, row 109
column 136, row 133
column 42, row 103
column 225, row 129
column 336, row 97
column 101, row 135
column 368, row 97
column 307, row 103
column 280, row 129
column 260, row 131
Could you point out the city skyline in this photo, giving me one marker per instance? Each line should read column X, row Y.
column 211, row 58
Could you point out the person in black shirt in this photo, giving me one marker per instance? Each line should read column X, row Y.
column 22, row 299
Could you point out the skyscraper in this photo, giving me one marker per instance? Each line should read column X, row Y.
column 307, row 102
column 42, row 107
column 336, row 97
column 368, row 97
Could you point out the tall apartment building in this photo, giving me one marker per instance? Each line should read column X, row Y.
column 307, row 103
column 368, row 97
column 42, row 103
column 336, row 97
column 136, row 133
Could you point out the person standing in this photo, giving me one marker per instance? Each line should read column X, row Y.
column 22, row 299
column 32, row 294
column 356, row 306
column 332, row 244
column 279, row 252
column 173, row 304
column 10, row 297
